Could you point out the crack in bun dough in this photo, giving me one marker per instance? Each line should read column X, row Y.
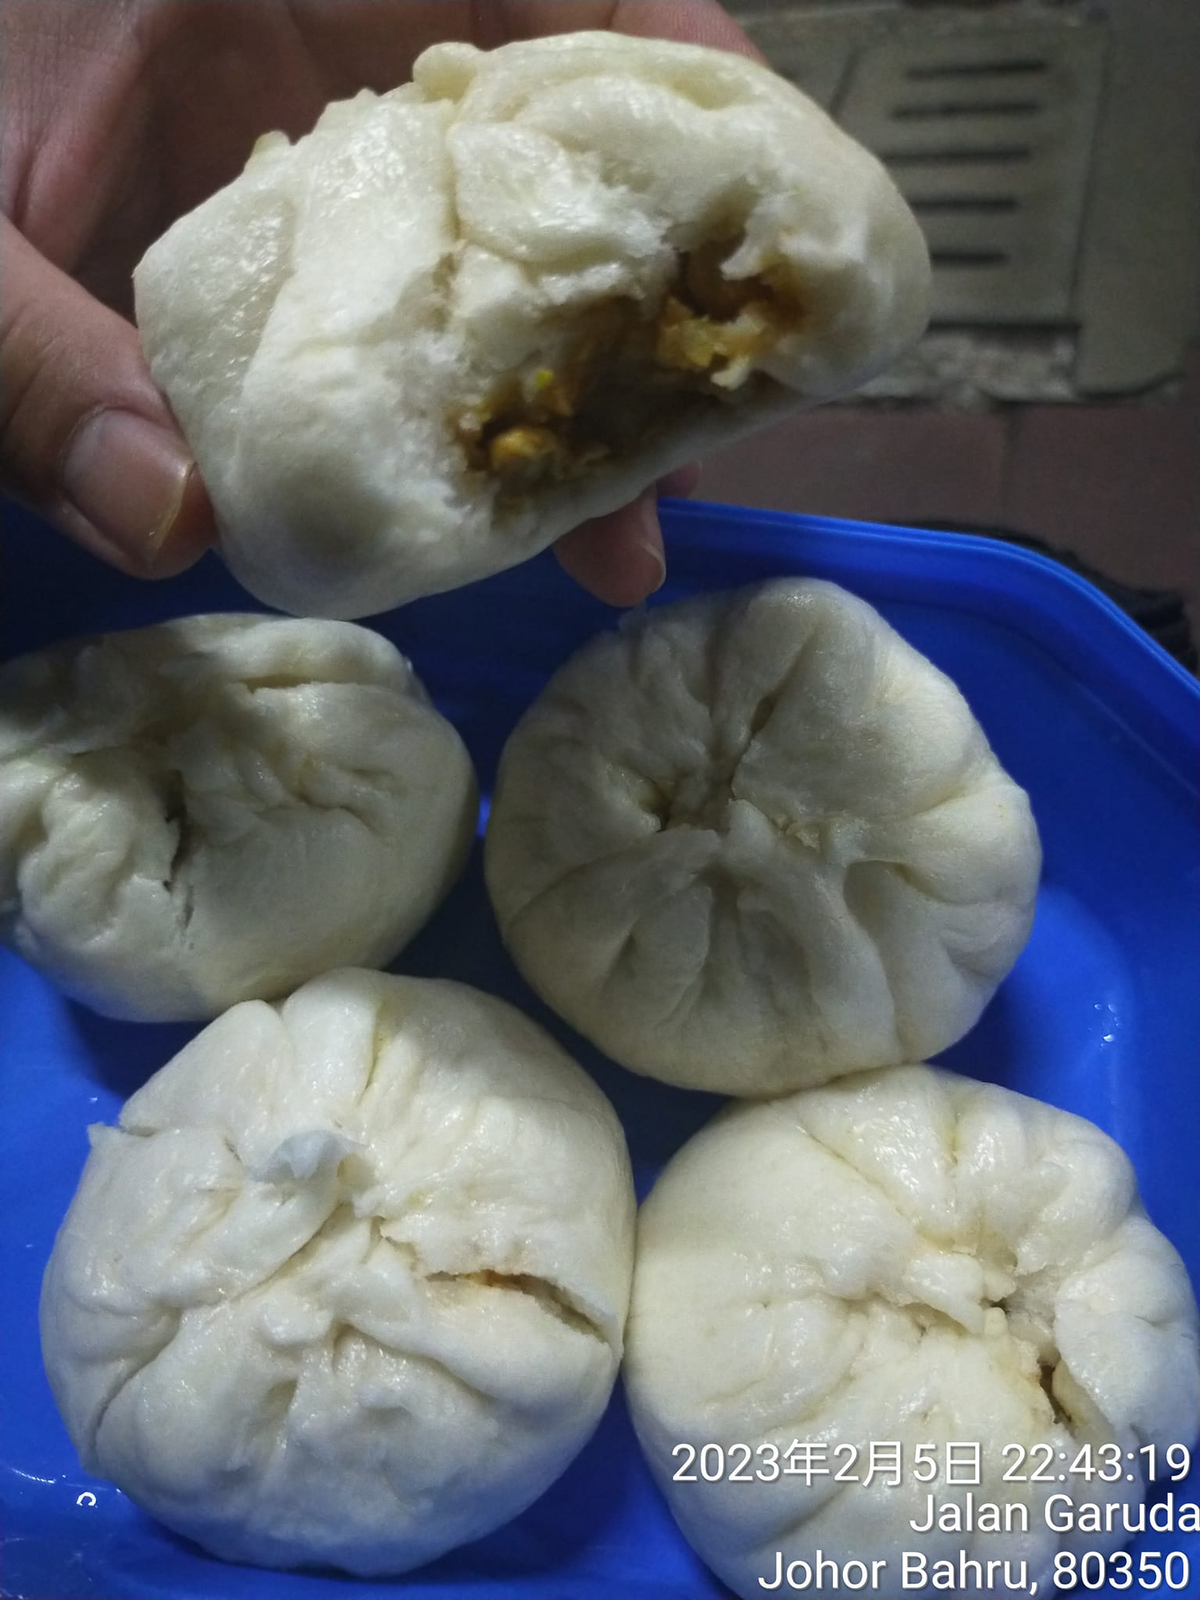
column 217, row 808
column 753, row 841
column 911, row 1256
column 458, row 319
column 347, row 1284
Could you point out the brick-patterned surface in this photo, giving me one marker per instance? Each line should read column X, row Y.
column 1118, row 484
column 911, row 465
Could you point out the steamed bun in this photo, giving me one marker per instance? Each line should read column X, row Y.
column 347, row 1284
column 753, row 841
column 914, row 1257
column 217, row 808
column 457, row 319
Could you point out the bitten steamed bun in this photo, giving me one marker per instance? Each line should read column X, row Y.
column 217, row 808
column 914, row 1257
column 347, row 1284
column 459, row 318
column 753, row 841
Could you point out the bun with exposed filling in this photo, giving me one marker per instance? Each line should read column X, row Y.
column 459, row 318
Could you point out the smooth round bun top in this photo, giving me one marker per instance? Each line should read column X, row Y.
column 347, row 1284
column 457, row 319
column 912, row 1257
column 752, row 841
column 217, row 808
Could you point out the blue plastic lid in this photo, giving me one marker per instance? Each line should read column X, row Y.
column 1101, row 1015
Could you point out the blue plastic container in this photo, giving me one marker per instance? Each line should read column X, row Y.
column 1101, row 1014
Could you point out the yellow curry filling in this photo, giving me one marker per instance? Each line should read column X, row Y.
column 698, row 345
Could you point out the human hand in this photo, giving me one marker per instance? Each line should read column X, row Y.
column 119, row 118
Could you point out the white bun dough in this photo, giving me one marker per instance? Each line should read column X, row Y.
column 457, row 319
column 907, row 1256
column 347, row 1284
column 217, row 808
column 753, row 841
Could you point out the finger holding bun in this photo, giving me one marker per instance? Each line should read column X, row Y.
column 460, row 318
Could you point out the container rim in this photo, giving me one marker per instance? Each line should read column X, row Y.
column 1059, row 611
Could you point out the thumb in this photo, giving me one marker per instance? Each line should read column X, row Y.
column 85, row 436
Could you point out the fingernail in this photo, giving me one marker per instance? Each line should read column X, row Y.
column 652, row 542
column 128, row 477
